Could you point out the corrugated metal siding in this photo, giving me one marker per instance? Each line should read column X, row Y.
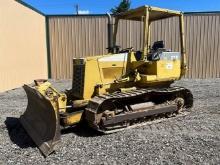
column 168, row 31
column 80, row 36
column 202, row 45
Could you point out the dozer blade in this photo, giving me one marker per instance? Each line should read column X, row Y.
column 41, row 121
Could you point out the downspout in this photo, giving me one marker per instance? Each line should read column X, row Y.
column 182, row 44
column 115, row 31
column 110, row 34
column 49, row 72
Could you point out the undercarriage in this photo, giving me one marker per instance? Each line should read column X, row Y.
column 113, row 112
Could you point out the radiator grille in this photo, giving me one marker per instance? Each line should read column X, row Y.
column 78, row 80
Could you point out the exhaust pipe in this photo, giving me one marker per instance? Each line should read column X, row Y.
column 110, row 34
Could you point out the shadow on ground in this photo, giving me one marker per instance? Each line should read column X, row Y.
column 20, row 137
column 17, row 133
column 81, row 130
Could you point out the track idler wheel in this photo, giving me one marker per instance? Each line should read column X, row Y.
column 180, row 104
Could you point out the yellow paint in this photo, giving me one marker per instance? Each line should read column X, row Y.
column 168, row 69
column 162, row 70
column 107, row 76
column 112, row 73
column 148, row 78
column 73, row 118
column 111, row 70
column 92, row 77
column 58, row 100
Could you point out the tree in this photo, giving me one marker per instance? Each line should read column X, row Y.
column 122, row 7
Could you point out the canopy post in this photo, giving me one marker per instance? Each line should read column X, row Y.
column 146, row 33
column 149, row 37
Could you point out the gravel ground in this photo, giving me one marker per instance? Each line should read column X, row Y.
column 191, row 139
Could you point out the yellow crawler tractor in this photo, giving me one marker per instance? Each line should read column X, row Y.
column 114, row 91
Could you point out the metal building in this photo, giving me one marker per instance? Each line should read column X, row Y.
column 23, row 50
column 34, row 45
column 80, row 36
